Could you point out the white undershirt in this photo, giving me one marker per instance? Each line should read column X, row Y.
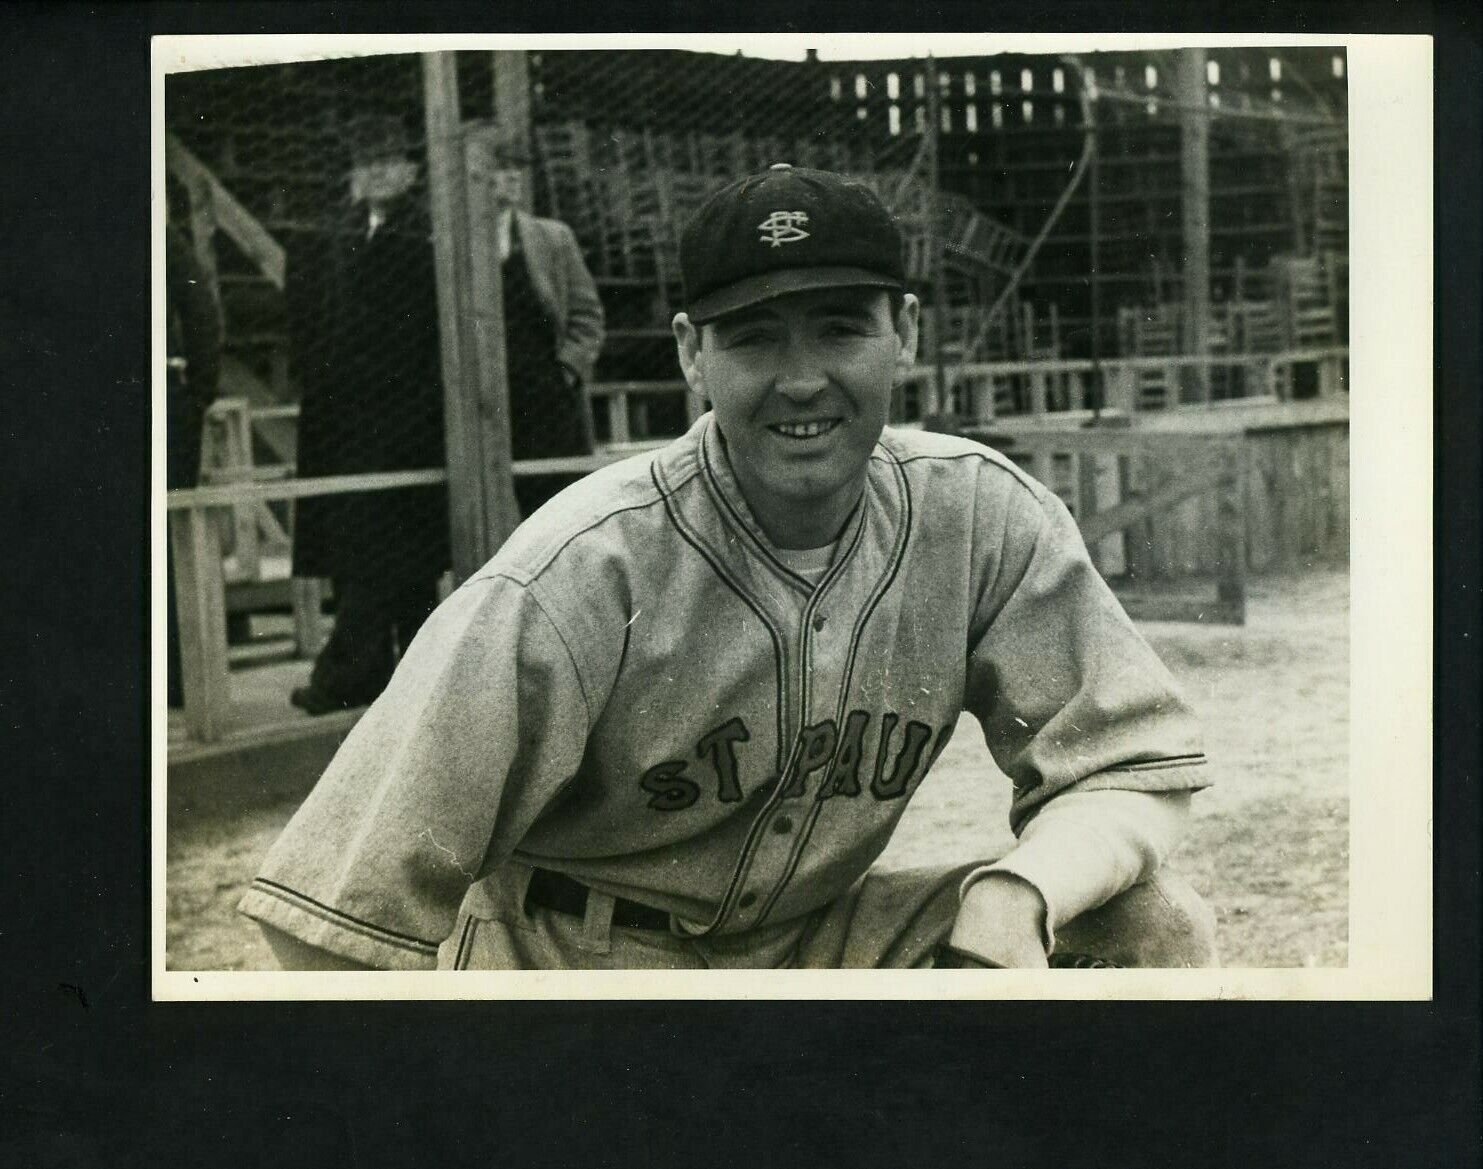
column 809, row 563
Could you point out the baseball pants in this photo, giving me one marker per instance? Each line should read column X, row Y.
column 888, row 920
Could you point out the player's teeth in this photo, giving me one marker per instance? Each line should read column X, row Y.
column 803, row 429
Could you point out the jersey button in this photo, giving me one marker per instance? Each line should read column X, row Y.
column 782, row 825
column 747, row 900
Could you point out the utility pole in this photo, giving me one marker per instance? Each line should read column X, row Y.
column 934, row 239
column 1194, row 158
column 1094, row 230
column 481, row 496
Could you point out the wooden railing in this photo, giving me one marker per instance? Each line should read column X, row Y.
column 216, row 207
column 1105, row 501
column 1116, row 480
column 1048, row 387
column 194, row 517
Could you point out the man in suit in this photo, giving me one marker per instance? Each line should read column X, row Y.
column 362, row 302
column 553, row 332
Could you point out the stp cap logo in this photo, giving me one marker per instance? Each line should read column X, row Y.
column 781, row 227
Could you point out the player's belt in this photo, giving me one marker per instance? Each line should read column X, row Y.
column 563, row 894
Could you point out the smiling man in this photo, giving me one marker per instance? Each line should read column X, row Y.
column 678, row 716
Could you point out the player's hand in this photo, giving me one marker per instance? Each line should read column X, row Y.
column 1002, row 922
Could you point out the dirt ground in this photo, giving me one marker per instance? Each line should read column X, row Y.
column 1269, row 846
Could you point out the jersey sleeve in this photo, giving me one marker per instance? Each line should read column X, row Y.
column 483, row 723
column 1069, row 694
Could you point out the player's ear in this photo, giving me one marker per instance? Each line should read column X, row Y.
column 687, row 342
column 908, row 329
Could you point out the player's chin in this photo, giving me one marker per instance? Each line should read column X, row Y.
column 809, row 484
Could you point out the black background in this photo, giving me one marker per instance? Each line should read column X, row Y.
column 94, row 1073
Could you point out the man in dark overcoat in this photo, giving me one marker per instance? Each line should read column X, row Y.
column 363, row 307
column 363, row 319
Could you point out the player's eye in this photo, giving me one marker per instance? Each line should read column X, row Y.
column 843, row 329
column 747, row 339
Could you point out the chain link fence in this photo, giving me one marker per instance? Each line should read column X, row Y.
column 1044, row 200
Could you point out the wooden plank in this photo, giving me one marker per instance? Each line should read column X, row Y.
column 487, row 311
column 201, row 609
column 308, row 616
column 256, row 242
column 448, row 204
column 607, row 389
column 1257, row 509
column 1194, row 162
column 1107, row 494
column 1290, row 489
column 1038, row 390
column 335, row 723
column 1179, row 524
column 512, row 100
column 1308, row 444
column 1121, row 388
column 1180, row 486
column 203, row 231
column 1320, row 474
column 1042, row 465
column 244, row 517
column 618, row 417
column 1174, row 446
column 1303, row 486
column 1230, row 529
column 229, row 494
column 1135, row 536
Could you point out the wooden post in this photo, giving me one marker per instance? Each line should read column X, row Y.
column 481, row 496
column 203, row 231
column 239, row 470
column 1085, row 465
column 984, row 406
column 1230, row 525
column 938, row 392
column 1119, row 381
column 202, row 611
column 1038, row 392
column 512, row 100
column 448, row 201
column 1042, row 466
column 486, row 308
column 1194, row 153
column 308, row 613
column 1330, row 376
column 618, row 416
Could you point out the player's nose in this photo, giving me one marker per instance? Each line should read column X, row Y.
column 799, row 379
column 802, row 388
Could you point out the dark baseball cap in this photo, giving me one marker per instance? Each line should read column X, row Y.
column 788, row 229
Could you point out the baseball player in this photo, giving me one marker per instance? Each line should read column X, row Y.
column 678, row 715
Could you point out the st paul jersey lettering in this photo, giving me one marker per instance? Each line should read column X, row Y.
column 824, row 751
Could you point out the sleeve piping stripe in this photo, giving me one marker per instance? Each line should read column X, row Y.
column 344, row 920
column 1162, row 764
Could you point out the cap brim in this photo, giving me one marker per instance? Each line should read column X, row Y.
column 769, row 285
